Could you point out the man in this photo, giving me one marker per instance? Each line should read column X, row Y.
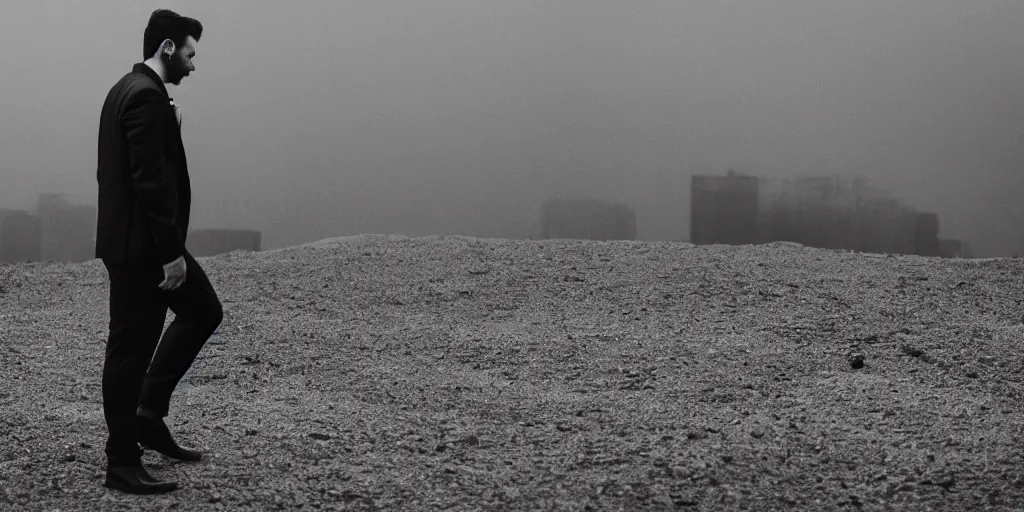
column 144, row 201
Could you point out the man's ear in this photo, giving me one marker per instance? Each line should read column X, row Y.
column 167, row 47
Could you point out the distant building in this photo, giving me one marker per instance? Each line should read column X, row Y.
column 68, row 230
column 210, row 242
column 20, row 236
column 724, row 210
column 587, row 219
column 829, row 212
column 955, row 249
column 926, row 234
column 7, row 212
column 57, row 231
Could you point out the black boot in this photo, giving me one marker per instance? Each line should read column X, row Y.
column 152, row 433
column 135, row 480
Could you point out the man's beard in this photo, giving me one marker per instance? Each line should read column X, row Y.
column 176, row 67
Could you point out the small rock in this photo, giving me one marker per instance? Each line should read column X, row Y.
column 70, row 457
column 972, row 374
column 857, row 361
column 250, row 432
column 319, row 436
column 757, row 433
column 912, row 351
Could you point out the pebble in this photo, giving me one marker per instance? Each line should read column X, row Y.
column 857, row 361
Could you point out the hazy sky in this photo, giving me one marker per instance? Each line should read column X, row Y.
column 312, row 119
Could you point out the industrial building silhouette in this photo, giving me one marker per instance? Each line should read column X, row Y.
column 58, row 230
column 828, row 212
column 61, row 231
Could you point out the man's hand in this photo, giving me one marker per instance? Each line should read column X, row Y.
column 174, row 274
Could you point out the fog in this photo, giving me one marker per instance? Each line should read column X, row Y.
column 325, row 118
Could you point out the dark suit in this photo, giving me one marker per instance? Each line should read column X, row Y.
column 143, row 215
column 144, row 189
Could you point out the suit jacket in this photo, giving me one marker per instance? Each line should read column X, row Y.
column 144, row 189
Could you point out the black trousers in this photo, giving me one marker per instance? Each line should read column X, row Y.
column 141, row 369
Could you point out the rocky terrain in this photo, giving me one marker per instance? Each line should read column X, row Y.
column 452, row 373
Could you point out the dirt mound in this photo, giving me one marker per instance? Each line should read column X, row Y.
column 385, row 372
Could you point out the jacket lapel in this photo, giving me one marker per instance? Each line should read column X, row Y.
column 155, row 78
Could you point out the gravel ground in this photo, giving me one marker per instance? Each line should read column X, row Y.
column 454, row 373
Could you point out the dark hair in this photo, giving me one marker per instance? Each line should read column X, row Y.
column 166, row 24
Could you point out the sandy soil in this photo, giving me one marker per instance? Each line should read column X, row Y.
column 451, row 373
